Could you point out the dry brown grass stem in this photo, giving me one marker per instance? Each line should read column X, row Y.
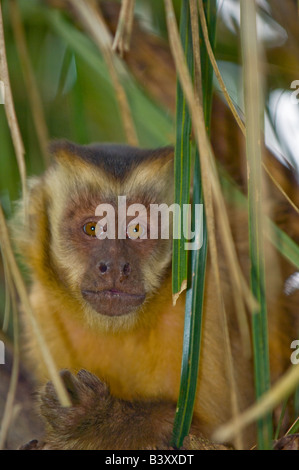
column 9, row 404
column 282, row 388
column 121, row 43
column 8, row 294
column 228, row 98
column 196, row 50
column 30, row 82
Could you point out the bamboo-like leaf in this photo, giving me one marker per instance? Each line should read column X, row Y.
column 284, row 244
column 253, row 117
column 294, row 428
column 192, row 327
column 210, row 10
column 182, row 160
column 197, row 264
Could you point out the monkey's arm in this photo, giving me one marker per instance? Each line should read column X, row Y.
column 97, row 420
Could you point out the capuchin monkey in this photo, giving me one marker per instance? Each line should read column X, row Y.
column 105, row 307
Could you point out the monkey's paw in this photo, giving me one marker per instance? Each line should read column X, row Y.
column 90, row 405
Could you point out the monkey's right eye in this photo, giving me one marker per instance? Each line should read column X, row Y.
column 90, row 229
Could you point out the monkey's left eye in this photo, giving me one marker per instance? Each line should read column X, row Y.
column 135, row 231
column 90, row 229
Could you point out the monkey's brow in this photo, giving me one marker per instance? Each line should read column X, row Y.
column 75, row 207
column 89, row 197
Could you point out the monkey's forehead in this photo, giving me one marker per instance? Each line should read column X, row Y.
column 115, row 160
column 81, row 192
column 82, row 203
column 79, row 183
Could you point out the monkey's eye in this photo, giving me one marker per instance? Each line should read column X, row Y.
column 90, row 229
column 135, row 231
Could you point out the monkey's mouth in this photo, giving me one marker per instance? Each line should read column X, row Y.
column 113, row 302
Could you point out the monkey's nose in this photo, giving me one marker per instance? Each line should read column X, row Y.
column 103, row 268
column 124, row 268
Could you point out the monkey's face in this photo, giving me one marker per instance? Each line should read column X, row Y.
column 102, row 245
column 114, row 280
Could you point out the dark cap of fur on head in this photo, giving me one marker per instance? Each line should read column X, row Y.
column 115, row 159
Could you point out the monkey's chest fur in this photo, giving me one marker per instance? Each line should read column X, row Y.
column 145, row 362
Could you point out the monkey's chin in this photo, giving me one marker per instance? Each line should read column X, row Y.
column 113, row 303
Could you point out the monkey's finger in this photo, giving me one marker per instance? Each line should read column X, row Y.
column 50, row 406
column 31, row 445
column 92, row 382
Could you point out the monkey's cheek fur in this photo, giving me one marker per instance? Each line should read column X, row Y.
column 113, row 303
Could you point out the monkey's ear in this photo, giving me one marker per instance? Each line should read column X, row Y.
column 64, row 151
column 165, row 154
column 29, row 226
column 160, row 159
column 154, row 175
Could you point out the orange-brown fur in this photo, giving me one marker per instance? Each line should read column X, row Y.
column 139, row 360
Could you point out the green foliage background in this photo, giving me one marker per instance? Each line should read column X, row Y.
column 78, row 98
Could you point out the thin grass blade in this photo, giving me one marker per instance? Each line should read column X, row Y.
column 182, row 160
column 254, row 119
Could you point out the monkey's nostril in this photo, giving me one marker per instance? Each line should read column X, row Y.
column 126, row 269
column 103, row 268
